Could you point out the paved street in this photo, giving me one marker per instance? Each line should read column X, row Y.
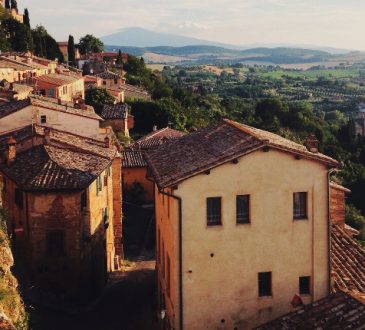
column 127, row 303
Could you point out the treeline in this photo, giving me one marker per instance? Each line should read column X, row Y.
column 20, row 37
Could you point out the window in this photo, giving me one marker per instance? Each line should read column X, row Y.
column 99, row 186
column 51, row 92
column 243, row 209
column 115, row 81
column 18, row 197
column 55, row 243
column 106, row 218
column 104, row 82
column 83, row 200
column 300, row 205
column 214, row 211
column 304, row 285
column 43, row 119
column 168, row 276
column 265, row 284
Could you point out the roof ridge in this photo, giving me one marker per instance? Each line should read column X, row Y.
column 243, row 129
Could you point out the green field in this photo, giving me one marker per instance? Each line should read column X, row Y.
column 313, row 74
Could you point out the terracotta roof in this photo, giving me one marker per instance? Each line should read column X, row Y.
column 11, row 107
column 57, row 79
column 348, row 262
column 156, row 138
column 13, row 64
column 339, row 187
column 133, row 158
column 66, row 162
column 48, row 103
column 205, row 149
column 108, row 75
column 337, row 311
column 115, row 111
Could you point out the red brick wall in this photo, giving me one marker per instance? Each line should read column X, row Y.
column 337, row 205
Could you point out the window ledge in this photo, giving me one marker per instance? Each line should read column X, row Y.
column 265, row 298
column 300, row 219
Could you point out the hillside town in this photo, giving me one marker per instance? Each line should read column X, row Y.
column 219, row 226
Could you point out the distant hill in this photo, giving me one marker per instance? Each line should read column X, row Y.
column 202, row 54
column 139, row 37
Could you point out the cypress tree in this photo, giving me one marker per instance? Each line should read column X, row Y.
column 26, row 18
column 71, row 50
column 7, row 4
column 120, row 58
column 14, row 4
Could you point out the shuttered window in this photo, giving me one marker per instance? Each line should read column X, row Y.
column 214, row 211
column 243, row 209
column 300, row 205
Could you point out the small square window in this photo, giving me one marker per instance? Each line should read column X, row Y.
column 43, row 119
column 243, row 209
column 304, row 285
column 214, row 211
column 300, row 206
column 264, row 282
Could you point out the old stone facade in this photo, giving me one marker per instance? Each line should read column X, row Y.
column 66, row 226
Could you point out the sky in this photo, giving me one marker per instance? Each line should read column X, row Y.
column 335, row 23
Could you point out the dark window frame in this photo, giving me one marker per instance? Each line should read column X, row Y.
column 43, row 119
column 300, row 205
column 305, row 285
column 243, row 214
column 264, row 284
column 214, row 211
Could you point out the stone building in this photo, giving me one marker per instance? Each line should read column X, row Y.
column 134, row 164
column 62, row 198
column 69, row 117
column 61, row 86
column 117, row 116
column 242, row 226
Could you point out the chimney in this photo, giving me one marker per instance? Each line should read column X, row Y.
column 107, row 142
column 11, row 152
column 154, row 129
column 312, row 143
column 47, row 136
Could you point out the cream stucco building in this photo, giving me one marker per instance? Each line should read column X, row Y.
column 242, row 227
column 73, row 118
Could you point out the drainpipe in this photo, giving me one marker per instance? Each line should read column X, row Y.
column 180, row 255
column 329, row 227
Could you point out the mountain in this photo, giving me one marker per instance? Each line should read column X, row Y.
column 139, row 37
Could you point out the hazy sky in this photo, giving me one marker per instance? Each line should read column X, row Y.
column 337, row 23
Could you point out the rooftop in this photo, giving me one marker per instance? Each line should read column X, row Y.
column 348, row 263
column 108, row 75
column 58, row 79
column 115, row 111
column 197, row 152
column 65, row 162
column 337, row 311
column 48, row 103
column 133, row 159
column 156, row 138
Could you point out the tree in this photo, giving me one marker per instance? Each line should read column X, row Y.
column 90, row 44
column 98, row 97
column 14, row 4
column 18, row 35
column 119, row 58
column 7, row 4
column 26, row 18
column 71, row 51
column 45, row 45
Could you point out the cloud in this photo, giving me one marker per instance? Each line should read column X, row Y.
column 327, row 22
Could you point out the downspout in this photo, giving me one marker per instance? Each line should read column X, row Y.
column 329, row 227
column 180, row 256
